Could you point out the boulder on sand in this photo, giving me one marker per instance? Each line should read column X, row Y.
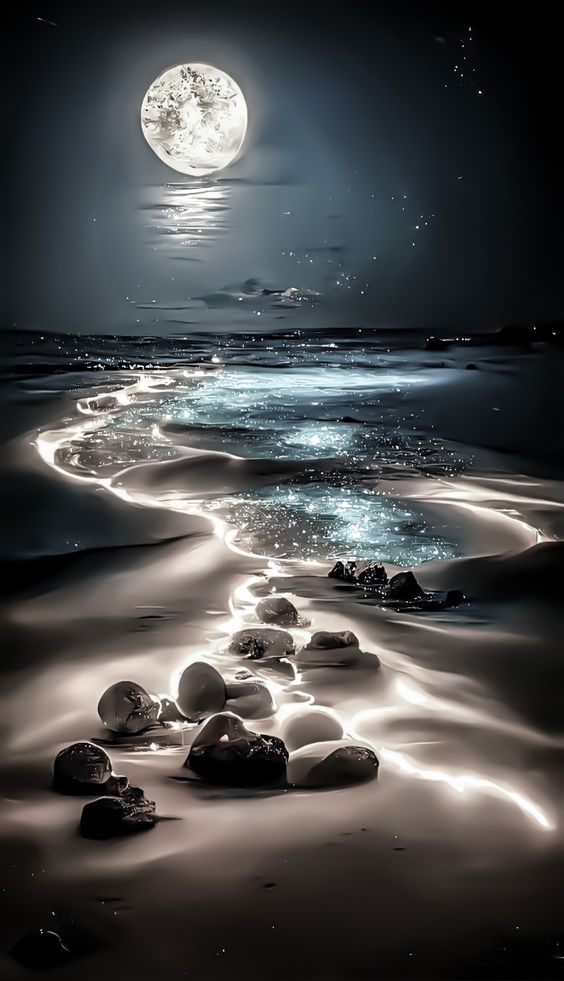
column 250, row 698
column 126, row 708
column 227, row 753
column 343, row 570
column 337, row 638
column 310, row 725
column 277, row 609
column 404, row 592
column 262, row 643
column 371, row 574
column 400, row 592
column 82, row 768
column 360, row 573
column 328, row 649
column 201, row 691
column 404, row 586
column 109, row 817
column 331, row 764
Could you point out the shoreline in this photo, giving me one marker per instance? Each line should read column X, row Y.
column 199, row 588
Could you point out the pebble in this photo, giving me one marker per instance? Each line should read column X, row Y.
column 126, row 708
column 225, row 752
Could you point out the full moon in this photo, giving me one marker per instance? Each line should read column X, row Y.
column 195, row 118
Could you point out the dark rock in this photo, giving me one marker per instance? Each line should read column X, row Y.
column 372, row 574
column 169, row 711
column 336, row 655
column 201, row 691
column 117, row 785
column 326, row 639
column 227, row 753
column 430, row 602
column 257, row 643
column 250, row 698
column 471, row 366
column 82, row 768
column 350, row 764
column 41, row 950
column 109, row 817
column 127, row 708
column 360, row 574
column 346, row 571
column 401, row 591
column 454, row 597
column 277, row 609
column 331, row 764
column 436, row 344
column 404, row 586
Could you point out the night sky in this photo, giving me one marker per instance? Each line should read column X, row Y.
column 403, row 165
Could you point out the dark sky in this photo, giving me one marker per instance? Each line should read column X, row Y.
column 361, row 128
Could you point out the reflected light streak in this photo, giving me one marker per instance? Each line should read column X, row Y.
column 467, row 781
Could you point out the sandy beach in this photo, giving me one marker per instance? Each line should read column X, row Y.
column 449, row 864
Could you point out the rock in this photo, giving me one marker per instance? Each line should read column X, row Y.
column 404, row 586
column 346, row 571
column 82, row 768
column 340, row 638
column 277, row 609
column 471, row 366
column 310, row 725
column 360, row 574
column 169, row 711
column 126, row 708
column 117, row 785
column 251, row 699
column 201, row 691
column 331, row 764
column 372, row 574
column 258, row 643
column 42, row 950
column 227, row 753
column 109, row 817
column 348, row 764
column 402, row 590
column 330, row 650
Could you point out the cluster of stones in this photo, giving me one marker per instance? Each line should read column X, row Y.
column 313, row 752
column 84, row 769
column 401, row 591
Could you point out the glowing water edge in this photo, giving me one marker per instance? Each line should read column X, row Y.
column 237, row 411
column 143, row 441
